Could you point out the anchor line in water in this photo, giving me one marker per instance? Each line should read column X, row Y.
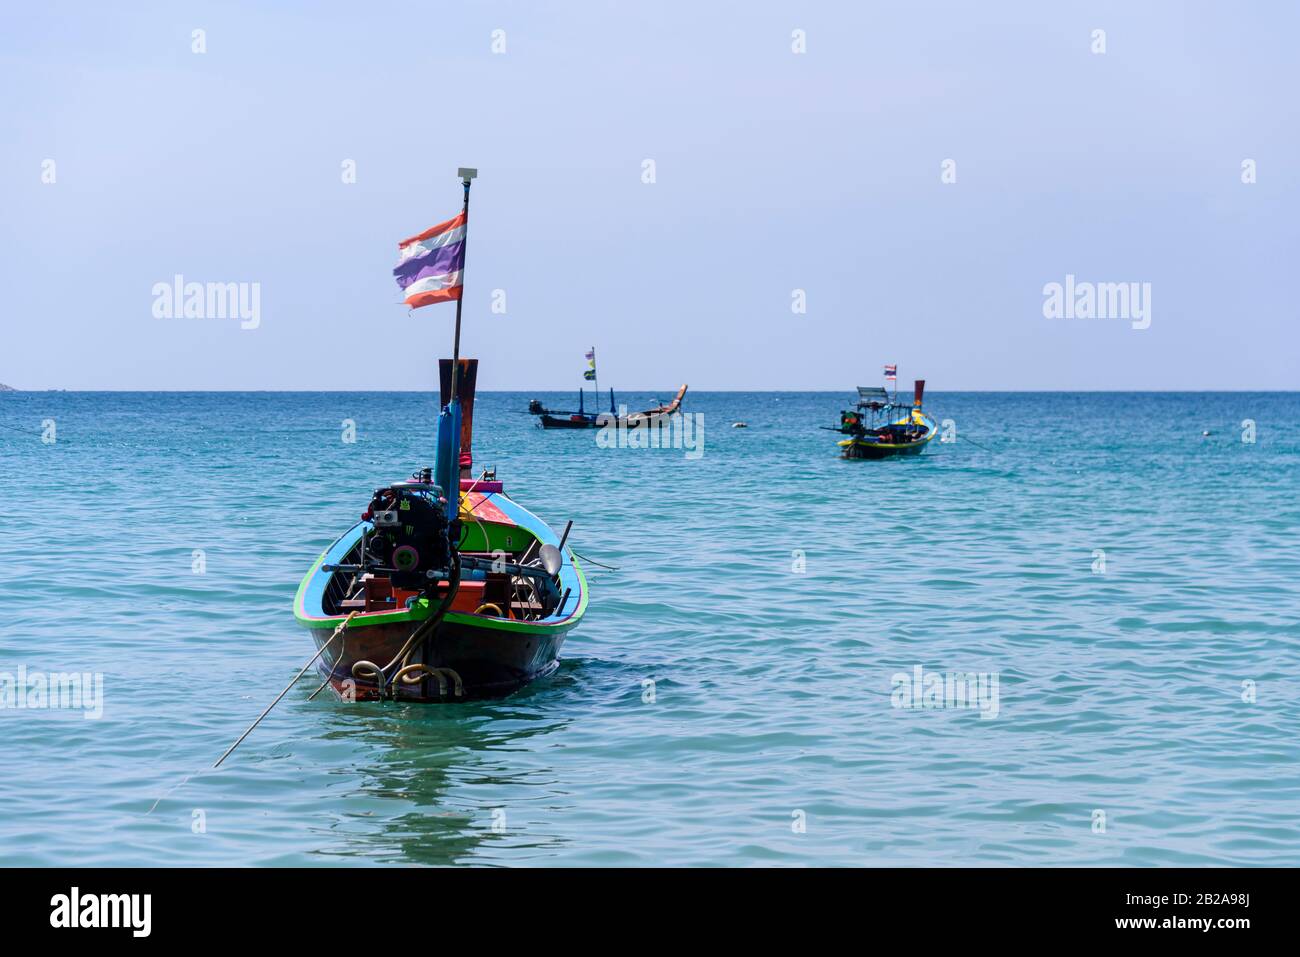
column 310, row 661
column 977, row 445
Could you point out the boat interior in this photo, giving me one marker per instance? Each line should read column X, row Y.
column 900, row 433
column 503, row 593
column 878, row 429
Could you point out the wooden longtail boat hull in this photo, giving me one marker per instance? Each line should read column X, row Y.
column 557, row 422
column 490, row 662
column 857, row 448
column 602, row 420
column 491, row 656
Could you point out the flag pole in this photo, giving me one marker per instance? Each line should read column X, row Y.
column 466, row 175
column 595, row 376
column 447, row 462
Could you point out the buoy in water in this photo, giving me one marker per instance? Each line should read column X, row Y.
column 739, row 425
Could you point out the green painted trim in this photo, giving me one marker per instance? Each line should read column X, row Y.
column 420, row 611
column 298, row 611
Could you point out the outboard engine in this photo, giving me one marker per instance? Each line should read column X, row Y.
column 536, row 407
column 410, row 543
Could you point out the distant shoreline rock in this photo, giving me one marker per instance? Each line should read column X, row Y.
column 7, row 388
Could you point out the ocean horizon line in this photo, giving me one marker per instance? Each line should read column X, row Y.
column 931, row 390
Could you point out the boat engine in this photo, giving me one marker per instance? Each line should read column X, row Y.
column 410, row 543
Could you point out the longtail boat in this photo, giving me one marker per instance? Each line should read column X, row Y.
column 880, row 426
column 446, row 589
column 582, row 419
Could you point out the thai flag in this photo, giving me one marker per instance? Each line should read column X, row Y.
column 590, row 356
column 429, row 265
column 891, row 372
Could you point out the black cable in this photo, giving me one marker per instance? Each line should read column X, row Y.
column 976, row 444
column 591, row 560
column 39, row 435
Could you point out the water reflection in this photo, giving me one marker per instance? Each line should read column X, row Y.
column 427, row 780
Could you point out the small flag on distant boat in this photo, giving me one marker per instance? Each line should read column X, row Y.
column 429, row 266
column 891, row 372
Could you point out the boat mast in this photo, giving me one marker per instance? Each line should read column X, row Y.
column 466, row 175
column 447, row 463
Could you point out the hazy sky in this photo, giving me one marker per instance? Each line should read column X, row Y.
column 774, row 170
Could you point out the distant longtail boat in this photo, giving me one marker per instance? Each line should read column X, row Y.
column 582, row 419
column 881, row 426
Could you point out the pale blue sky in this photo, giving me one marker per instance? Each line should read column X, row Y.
column 775, row 171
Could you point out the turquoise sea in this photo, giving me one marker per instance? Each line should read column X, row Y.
column 1131, row 583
